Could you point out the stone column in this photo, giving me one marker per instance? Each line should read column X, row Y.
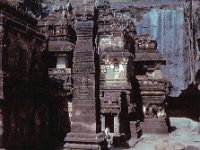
column 85, row 128
column 103, row 123
column 116, row 125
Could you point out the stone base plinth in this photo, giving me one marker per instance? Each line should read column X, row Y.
column 81, row 146
column 85, row 141
column 136, row 130
column 155, row 126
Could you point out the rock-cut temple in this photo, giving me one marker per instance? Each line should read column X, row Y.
column 71, row 71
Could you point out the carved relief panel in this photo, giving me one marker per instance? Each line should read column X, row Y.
column 113, row 70
column 113, row 60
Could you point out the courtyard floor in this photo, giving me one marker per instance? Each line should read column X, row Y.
column 184, row 137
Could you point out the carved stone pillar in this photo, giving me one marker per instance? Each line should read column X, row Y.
column 85, row 127
column 116, row 125
column 103, row 123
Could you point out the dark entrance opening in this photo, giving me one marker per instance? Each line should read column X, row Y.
column 109, row 121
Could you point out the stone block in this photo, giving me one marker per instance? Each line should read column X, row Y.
column 86, row 141
column 155, row 126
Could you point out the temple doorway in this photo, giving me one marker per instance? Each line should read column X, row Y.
column 109, row 122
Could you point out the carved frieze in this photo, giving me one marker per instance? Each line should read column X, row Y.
column 146, row 44
column 111, row 44
column 106, row 17
column 114, row 22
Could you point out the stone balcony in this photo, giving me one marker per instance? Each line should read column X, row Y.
column 62, row 78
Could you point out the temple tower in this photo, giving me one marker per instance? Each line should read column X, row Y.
column 115, row 47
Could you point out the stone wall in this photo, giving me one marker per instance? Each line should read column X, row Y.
column 30, row 117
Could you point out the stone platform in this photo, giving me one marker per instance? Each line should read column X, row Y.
column 155, row 126
column 76, row 146
column 86, row 141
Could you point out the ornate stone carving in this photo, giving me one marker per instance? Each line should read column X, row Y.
column 154, row 88
column 145, row 44
column 148, row 87
column 153, row 110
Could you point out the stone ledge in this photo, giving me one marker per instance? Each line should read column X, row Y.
column 70, row 146
column 85, row 137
